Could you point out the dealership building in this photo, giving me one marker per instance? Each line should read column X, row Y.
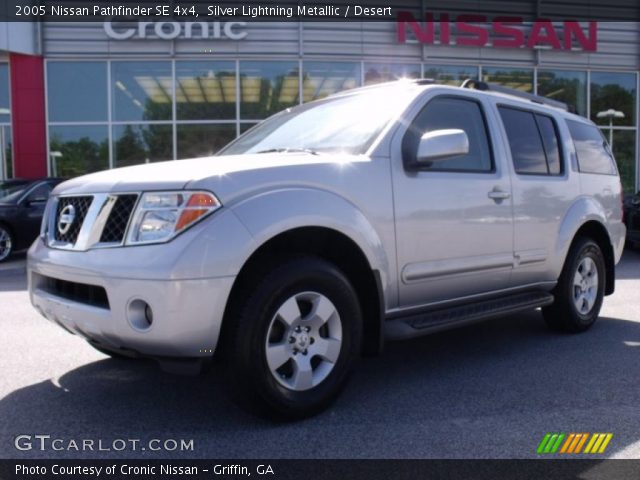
column 80, row 97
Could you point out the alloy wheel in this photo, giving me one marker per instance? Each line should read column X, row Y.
column 304, row 340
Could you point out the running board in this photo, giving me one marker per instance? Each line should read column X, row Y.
column 445, row 318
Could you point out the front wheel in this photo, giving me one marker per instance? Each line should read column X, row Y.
column 6, row 243
column 580, row 289
column 293, row 344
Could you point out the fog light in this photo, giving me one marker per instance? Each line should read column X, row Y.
column 140, row 314
column 148, row 314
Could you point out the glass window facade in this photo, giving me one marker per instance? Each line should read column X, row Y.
column 613, row 91
column 565, row 86
column 141, row 91
column 388, row 72
column 624, row 149
column 143, row 111
column 78, row 149
column 205, row 90
column 450, row 74
column 141, row 143
column 76, row 91
column 267, row 87
column 201, row 140
column 613, row 108
column 518, row 78
column 320, row 79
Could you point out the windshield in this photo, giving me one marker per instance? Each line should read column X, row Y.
column 349, row 124
column 11, row 192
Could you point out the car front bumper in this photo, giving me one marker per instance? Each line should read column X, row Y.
column 187, row 312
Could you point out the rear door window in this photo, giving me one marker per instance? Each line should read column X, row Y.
column 551, row 144
column 533, row 140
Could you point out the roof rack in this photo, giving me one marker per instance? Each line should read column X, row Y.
column 492, row 87
column 424, row 81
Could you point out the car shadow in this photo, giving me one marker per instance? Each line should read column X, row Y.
column 490, row 390
column 629, row 266
column 16, row 282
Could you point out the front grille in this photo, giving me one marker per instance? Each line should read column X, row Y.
column 76, row 292
column 116, row 226
column 81, row 206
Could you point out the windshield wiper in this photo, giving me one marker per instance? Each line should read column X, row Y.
column 289, row 150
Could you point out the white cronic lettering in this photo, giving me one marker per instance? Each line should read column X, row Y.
column 123, row 35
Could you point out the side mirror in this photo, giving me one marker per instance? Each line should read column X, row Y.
column 441, row 145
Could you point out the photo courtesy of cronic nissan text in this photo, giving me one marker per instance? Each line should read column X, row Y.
column 317, row 239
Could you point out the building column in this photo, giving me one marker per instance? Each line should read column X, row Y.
column 28, row 115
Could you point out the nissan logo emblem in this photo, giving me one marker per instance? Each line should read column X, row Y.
column 66, row 219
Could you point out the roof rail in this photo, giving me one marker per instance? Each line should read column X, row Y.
column 492, row 87
column 425, row 81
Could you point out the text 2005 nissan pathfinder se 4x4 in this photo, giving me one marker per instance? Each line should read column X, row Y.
column 379, row 213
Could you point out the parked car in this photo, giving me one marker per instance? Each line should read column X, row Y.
column 381, row 213
column 22, row 205
column 632, row 219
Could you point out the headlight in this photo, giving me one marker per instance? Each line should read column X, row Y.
column 160, row 216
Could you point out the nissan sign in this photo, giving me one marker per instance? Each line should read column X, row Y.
column 505, row 32
column 172, row 30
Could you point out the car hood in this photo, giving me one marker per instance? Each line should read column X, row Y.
column 222, row 174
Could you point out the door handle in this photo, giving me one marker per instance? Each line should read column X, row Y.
column 497, row 194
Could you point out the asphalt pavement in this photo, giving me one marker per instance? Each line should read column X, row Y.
column 490, row 390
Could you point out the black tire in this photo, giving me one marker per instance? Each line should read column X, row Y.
column 564, row 315
column 7, row 243
column 252, row 326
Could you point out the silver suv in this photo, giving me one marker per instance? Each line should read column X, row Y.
column 380, row 213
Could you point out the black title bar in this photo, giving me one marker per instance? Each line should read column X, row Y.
column 308, row 10
column 320, row 469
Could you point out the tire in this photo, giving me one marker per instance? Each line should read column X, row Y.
column 7, row 243
column 292, row 344
column 580, row 289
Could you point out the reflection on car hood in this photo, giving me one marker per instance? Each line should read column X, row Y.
column 178, row 174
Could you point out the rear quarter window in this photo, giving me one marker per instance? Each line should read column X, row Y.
column 591, row 149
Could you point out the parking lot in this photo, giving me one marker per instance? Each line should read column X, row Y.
column 490, row 390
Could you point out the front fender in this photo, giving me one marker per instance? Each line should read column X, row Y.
column 268, row 214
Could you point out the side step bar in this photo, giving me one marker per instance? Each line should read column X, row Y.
column 441, row 319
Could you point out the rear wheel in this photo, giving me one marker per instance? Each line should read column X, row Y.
column 580, row 289
column 293, row 344
column 6, row 243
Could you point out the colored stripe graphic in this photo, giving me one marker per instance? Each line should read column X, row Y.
column 594, row 437
column 598, row 443
column 581, row 443
column 567, row 443
column 556, row 445
column 543, row 443
column 550, row 443
column 573, row 443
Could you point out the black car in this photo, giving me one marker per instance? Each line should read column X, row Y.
column 632, row 219
column 22, row 205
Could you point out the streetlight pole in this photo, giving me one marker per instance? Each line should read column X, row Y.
column 610, row 114
column 54, row 156
column 4, row 168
